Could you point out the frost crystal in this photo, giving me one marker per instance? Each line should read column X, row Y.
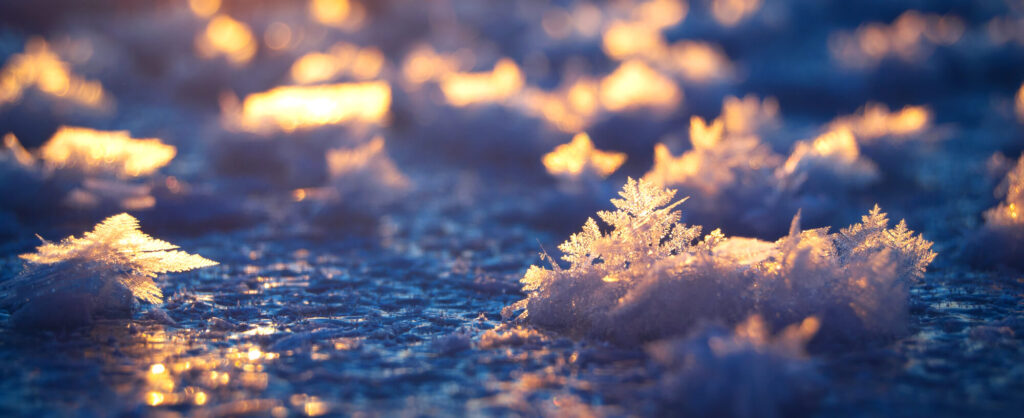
column 114, row 253
column 651, row 276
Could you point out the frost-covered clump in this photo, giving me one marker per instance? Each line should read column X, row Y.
column 742, row 185
column 64, row 284
column 731, row 174
column 579, row 164
column 362, row 180
column 83, row 168
column 652, row 277
column 1001, row 240
column 831, row 159
column 745, row 373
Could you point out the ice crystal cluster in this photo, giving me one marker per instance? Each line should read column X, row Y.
column 741, row 183
column 651, row 276
column 112, row 258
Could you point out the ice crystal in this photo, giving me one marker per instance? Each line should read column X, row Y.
column 114, row 253
column 651, row 276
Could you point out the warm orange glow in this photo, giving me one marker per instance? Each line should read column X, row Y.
column 731, row 12
column 634, row 84
column 424, row 64
column 748, row 115
column 338, row 13
column 906, row 37
column 875, row 120
column 463, row 89
column 154, row 398
column 227, row 37
column 567, row 109
column 13, row 147
column 700, row 61
column 41, row 68
column 288, row 108
column 370, row 158
column 630, row 39
column 316, row 67
column 703, row 136
column 1020, row 103
column 838, row 145
column 112, row 152
column 668, row 169
column 204, row 8
column 579, row 157
column 329, row 11
column 661, row 13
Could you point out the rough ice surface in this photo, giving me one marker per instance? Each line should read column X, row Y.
column 345, row 290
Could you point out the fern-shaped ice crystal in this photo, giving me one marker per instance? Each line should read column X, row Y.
column 115, row 252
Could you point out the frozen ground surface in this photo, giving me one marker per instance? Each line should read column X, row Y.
column 385, row 308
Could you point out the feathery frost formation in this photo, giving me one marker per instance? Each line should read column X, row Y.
column 652, row 277
column 114, row 255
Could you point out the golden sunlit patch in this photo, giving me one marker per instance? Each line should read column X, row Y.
column 113, row 152
column 154, row 398
column 227, row 37
column 908, row 37
column 13, row 147
column 700, row 61
column 371, row 158
column 200, row 398
column 424, row 64
column 463, row 89
column 874, row 121
column 41, row 68
column 635, row 84
column 204, row 8
column 749, row 114
column 579, row 157
column 837, row 145
column 289, row 108
column 1019, row 103
column 629, row 39
column 567, row 109
column 157, row 369
column 731, row 12
column 337, row 13
column 704, row 136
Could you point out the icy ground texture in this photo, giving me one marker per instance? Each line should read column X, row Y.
column 299, row 325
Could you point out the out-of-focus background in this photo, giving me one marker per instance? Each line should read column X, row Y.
column 375, row 176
